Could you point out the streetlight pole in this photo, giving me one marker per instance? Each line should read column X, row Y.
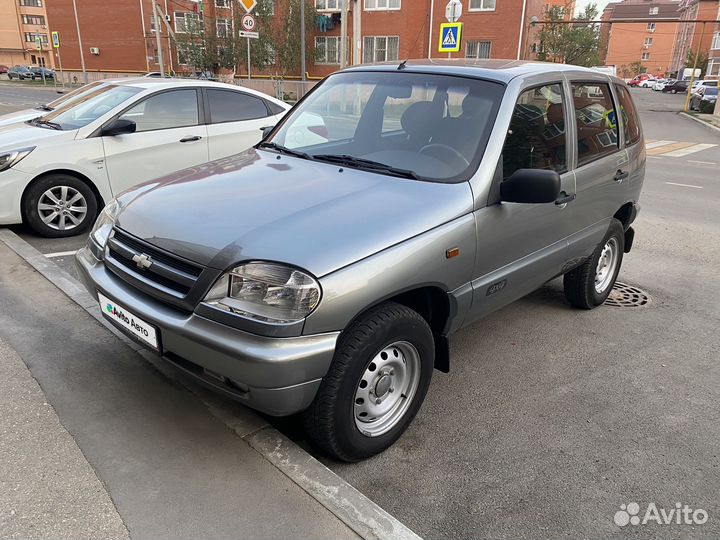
column 695, row 63
column 156, row 19
column 80, row 44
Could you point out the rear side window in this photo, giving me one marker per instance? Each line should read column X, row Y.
column 631, row 123
column 229, row 106
column 274, row 108
column 597, row 129
column 536, row 137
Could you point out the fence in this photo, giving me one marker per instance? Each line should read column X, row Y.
column 286, row 90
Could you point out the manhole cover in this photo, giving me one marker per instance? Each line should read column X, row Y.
column 624, row 295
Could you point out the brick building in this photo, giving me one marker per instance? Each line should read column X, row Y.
column 119, row 37
column 692, row 35
column 22, row 24
column 652, row 43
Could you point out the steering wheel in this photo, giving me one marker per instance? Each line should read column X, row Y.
column 448, row 149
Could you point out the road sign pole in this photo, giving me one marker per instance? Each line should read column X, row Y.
column 248, row 60
column 158, row 43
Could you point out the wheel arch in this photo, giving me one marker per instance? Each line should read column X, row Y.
column 626, row 214
column 83, row 178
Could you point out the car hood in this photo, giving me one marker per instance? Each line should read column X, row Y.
column 19, row 135
column 19, row 116
column 259, row 205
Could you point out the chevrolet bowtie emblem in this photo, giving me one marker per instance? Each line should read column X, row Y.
column 142, row 261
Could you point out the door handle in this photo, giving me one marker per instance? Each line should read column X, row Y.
column 191, row 139
column 620, row 175
column 564, row 198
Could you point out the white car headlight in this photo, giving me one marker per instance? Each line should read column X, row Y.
column 267, row 292
column 104, row 223
column 8, row 159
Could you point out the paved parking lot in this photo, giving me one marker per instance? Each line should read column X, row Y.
column 551, row 418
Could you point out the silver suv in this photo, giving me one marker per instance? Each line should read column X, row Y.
column 323, row 271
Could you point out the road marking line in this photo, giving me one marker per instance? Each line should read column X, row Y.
column 702, row 162
column 668, row 148
column 683, row 185
column 690, row 150
column 655, row 144
column 60, row 254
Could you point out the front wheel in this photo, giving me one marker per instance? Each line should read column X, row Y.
column 589, row 285
column 59, row 205
column 375, row 386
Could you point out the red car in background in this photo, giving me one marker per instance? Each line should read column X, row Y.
column 3, row 69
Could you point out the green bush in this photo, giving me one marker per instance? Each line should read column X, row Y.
column 707, row 107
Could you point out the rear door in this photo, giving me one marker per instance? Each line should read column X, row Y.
column 169, row 137
column 234, row 120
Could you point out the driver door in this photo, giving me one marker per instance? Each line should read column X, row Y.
column 168, row 138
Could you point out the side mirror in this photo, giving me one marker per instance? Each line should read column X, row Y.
column 531, row 186
column 266, row 131
column 119, row 126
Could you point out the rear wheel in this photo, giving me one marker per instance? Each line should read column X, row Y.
column 59, row 205
column 589, row 285
column 375, row 386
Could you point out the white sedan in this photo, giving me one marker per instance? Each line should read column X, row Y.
column 57, row 170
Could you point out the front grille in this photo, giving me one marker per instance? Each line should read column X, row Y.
column 168, row 272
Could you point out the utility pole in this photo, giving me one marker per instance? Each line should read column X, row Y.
column 692, row 75
column 158, row 42
column 357, row 33
column 302, row 43
column 80, row 44
column 343, row 34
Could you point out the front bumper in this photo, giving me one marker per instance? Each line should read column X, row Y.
column 278, row 376
column 12, row 185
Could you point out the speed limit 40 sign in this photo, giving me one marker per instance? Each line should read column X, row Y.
column 248, row 22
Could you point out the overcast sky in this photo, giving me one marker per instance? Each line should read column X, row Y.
column 580, row 5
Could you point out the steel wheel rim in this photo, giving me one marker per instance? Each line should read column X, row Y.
column 606, row 265
column 386, row 388
column 62, row 208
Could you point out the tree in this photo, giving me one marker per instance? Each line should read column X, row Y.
column 575, row 43
column 702, row 61
column 630, row 70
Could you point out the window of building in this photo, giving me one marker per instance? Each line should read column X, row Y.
column 327, row 4
column 327, row 50
column 187, row 22
column 34, row 19
column 223, row 28
column 713, row 68
column 645, row 56
column 597, row 126
column 382, row 4
column 536, row 137
column 222, row 3
column 478, row 49
column 648, row 41
column 229, row 106
column 654, row 10
column 631, row 124
column 482, row 5
column 651, row 27
column 31, row 3
column 715, row 41
column 381, row 48
column 168, row 110
column 30, row 37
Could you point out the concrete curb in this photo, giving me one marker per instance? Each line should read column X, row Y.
column 695, row 119
column 350, row 506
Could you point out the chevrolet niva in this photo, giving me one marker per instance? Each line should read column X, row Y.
column 322, row 271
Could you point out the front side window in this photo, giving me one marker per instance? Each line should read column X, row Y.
column 597, row 127
column 482, row 5
column 167, row 110
column 382, row 4
column 536, row 137
column 434, row 127
column 478, row 49
column 91, row 106
column 381, row 48
column 229, row 106
column 631, row 123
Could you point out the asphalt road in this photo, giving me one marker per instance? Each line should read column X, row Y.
column 552, row 418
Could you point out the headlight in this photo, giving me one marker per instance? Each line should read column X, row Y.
column 266, row 292
column 104, row 224
column 8, row 159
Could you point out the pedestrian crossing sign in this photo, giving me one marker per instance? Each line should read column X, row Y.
column 450, row 34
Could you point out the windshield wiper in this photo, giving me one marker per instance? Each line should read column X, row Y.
column 284, row 150
column 366, row 164
column 44, row 108
column 41, row 122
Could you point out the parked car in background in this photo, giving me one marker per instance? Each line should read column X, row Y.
column 20, row 73
column 58, row 169
column 326, row 278
column 675, row 87
column 703, row 84
column 660, row 84
column 704, row 99
column 647, row 83
column 3, row 69
column 40, row 71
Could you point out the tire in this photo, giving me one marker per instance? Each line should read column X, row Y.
column 581, row 285
column 673, row 91
column 42, row 192
column 378, row 346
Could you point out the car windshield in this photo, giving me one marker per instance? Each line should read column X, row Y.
column 89, row 107
column 416, row 125
column 70, row 96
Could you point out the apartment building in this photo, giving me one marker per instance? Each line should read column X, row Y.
column 24, row 36
column 641, row 31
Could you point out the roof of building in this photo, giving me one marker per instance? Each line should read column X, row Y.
column 634, row 9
